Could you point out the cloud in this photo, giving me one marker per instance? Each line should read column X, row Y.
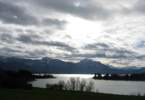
column 85, row 9
column 139, row 6
column 102, row 50
column 36, row 53
column 110, row 31
column 10, row 51
column 13, row 14
column 6, row 37
column 37, row 41
column 97, row 46
column 56, row 23
column 140, row 44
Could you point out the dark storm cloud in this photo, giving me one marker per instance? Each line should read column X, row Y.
column 7, row 49
column 140, row 6
column 10, row 51
column 121, row 53
column 13, row 14
column 97, row 45
column 108, row 51
column 114, row 54
column 54, row 22
column 6, row 37
column 137, row 8
column 20, row 51
column 10, row 13
column 36, row 53
column 86, row 9
column 27, row 39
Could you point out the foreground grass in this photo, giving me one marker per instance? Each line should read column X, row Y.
column 44, row 94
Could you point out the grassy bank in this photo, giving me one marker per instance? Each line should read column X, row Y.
column 44, row 94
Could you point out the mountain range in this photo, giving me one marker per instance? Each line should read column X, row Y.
column 49, row 65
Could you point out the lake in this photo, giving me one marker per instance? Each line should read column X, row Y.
column 102, row 86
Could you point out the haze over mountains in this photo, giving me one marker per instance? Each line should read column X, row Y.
column 48, row 65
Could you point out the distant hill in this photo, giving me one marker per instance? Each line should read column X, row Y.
column 48, row 65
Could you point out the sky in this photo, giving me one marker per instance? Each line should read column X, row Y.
column 109, row 31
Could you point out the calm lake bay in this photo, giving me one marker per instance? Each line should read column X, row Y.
column 102, row 86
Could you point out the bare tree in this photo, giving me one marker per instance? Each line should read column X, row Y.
column 89, row 86
column 82, row 85
column 76, row 84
